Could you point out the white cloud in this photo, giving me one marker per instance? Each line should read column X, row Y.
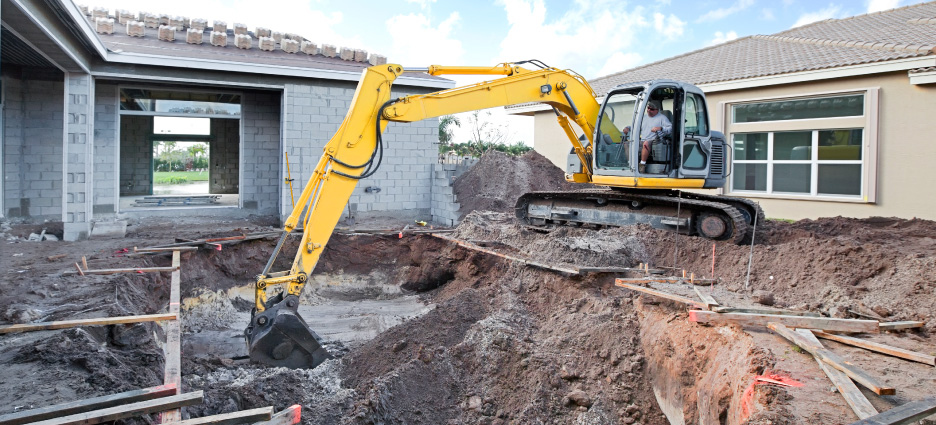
column 583, row 38
column 714, row 15
column 671, row 27
column 832, row 11
column 767, row 15
column 721, row 37
column 618, row 62
column 879, row 5
column 423, row 44
column 423, row 4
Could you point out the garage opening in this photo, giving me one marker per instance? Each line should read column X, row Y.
column 179, row 149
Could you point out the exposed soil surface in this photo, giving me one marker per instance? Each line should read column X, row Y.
column 427, row 332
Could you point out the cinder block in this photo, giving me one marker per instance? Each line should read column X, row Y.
column 292, row 36
column 278, row 36
column 124, row 16
column 289, row 46
column 84, row 9
column 266, row 43
column 113, row 229
column 104, row 25
column 240, row 29
column 308, row 48
column 135, row 29
column 261, row 32
column 164, row 19
column 151, row 20
column 199, row 24
column 220, row 26
column 218, row 38
column 179, row 22
column 360, row 55
column 347, row 53
column 194, row 36
column 99, row 12
column 329, row 51
column 166, row 33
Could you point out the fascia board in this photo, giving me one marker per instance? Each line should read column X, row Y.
column 824, row 74
column 289, row 71
column 923, row 77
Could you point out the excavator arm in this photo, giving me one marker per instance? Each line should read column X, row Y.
column 277, row 335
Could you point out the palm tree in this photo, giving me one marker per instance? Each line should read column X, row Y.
column 445, row 131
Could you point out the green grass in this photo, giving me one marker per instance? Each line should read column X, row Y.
column 179, row 177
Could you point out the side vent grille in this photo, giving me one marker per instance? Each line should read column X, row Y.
column 717, row 167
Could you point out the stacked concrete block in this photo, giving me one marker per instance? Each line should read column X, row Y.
column 289, row 46
column 240, row 29
column 267, row 43
column 292, row 36
column 308, row 48
column 243, row 41
column 219, row 26
column 84, row 10
column 263, row 32
column 194, row 36
column 124, row 16
column 142, row 15
column 104, row 171
column 329, row 51
column 376, row 59
column 219, row 39
column 166, row 33
column 179, row 22
column 360, row 55
column 79, row 137
column 164, row 19
column 199, row 24
column 136, row 29
column 104, row 25
column 278, row 36
column 150, row 20
column 347, row 53
column 99, row 12
column 260, row 141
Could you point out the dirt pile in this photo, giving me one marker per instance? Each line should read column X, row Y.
column 497, row 180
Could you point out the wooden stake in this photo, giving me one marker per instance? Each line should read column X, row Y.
column 42, row 326
column 879, row 348
column 833, row 360
column 79, row 270
column 659, row 294
column 84, row 262
column 126, row 410
column 750, row 319
column 853, row 396
column 56, row 257
column 80, row 406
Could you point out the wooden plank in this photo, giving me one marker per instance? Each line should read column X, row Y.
column 233, row 418
column 605, row 269
column 508, row 257
column 175, row 248
column 670, row 280
column 879, row 348
column 116, row 271
column 659, row 294
column 288, row 416
column 126, row 410
column 904, row 414
column 853, row 396
column 706, row 298
column 41, row 326
column 765, row 311
column 893, row 326
column 173, row 348
column 833, row 360
column 751, row 319
column 87, row 405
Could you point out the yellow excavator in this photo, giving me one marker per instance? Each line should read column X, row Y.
column 687, row 155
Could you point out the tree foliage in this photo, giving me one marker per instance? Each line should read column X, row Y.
column 485, row 136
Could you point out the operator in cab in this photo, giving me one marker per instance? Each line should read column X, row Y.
column 652, row 123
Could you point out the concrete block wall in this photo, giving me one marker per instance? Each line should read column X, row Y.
column 313, row 115
column 106, row 121
column 136, row 155
column 261, row 185
column 79, row 140
column 445, row 204
column 33, row 117
column 224, row 171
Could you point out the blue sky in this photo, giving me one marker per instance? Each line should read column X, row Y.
column 593, row 37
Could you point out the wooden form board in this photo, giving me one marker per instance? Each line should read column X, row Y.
column 233, row 418
column 879, row 348
column 509, row 257
column 27, row 327
column 659, row 294
column 117, row 271
column 288, row 416
column 893, row 326
column 173, row 347
column 671, row 280
column 853, row 396
column 706, row 298
column 833, row 360
column 87, row 405
column 126, row 410
column 765, row 311
column 905, row 414
column 748, row 319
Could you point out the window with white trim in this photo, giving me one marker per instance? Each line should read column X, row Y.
column 814, row 147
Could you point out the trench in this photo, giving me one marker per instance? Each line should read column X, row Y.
column 427, row 332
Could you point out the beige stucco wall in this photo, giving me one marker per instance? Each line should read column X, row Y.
column 906, row 146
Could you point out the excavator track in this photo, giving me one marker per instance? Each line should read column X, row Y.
column 615, row 208
column 748, row 208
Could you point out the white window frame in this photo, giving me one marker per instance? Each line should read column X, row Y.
column 868, row 123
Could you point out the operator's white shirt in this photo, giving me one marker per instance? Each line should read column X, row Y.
column 649, row 122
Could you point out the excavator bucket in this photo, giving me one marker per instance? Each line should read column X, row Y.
column 279, row 337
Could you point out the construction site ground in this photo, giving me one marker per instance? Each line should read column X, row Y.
column 425, row 331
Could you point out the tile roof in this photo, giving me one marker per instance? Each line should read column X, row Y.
column 905, row 32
